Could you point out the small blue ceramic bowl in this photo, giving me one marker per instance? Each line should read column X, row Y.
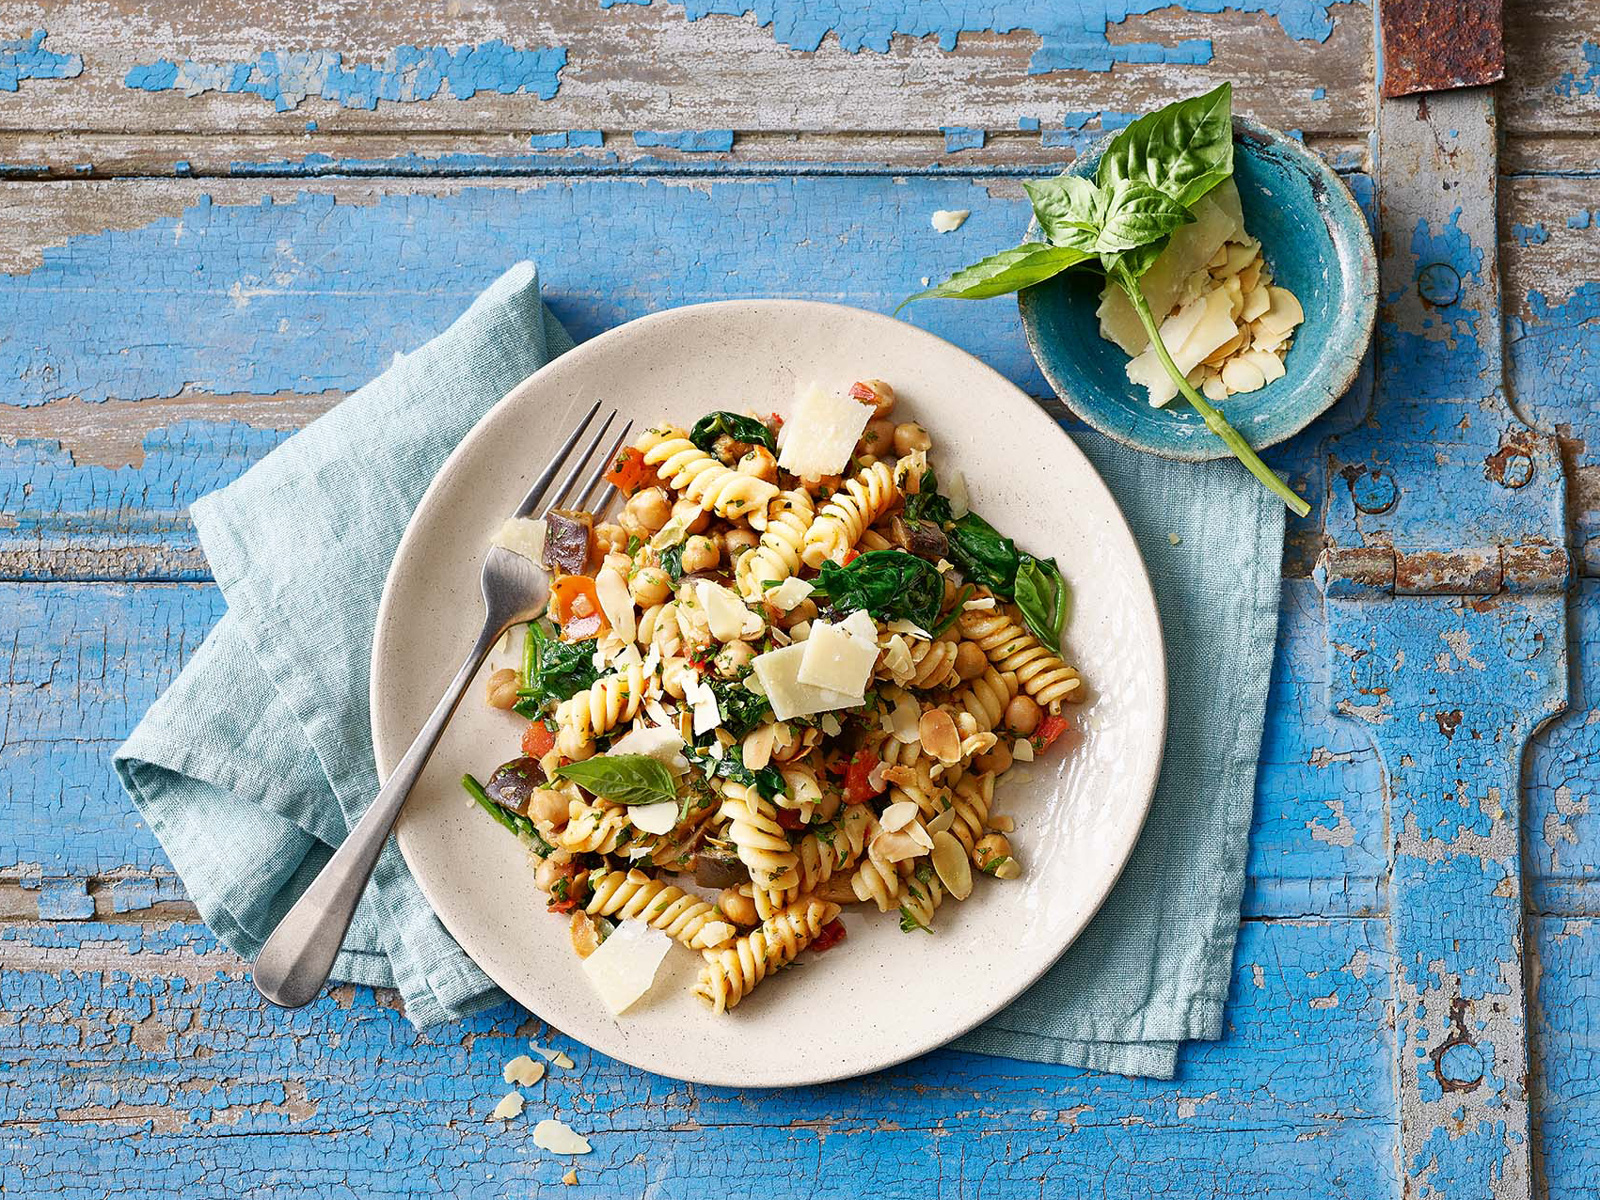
column 1316, row 241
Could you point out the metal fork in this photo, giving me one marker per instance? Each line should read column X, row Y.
column 296, row 959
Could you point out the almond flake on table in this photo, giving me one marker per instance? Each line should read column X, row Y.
column 551, row 1055
column 948, row 220
column 559, row 1138
column 510, row 1106
column 523, row 1070
column 571, row 1177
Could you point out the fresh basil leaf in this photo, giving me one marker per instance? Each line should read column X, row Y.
column 1070, row 209
column 710, row 427
column 552, row 670
column 1184, row 149
column 984, row 554
column 1139, row 215
column 1134, row 262
column 887, row 584
column 1041, row 596
column 1009, row 271
column 623, row 778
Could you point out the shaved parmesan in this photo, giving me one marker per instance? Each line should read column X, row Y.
column 980, row 604
column 897, row 658
column 956, row 492
column 860, row 625
column 554, row 1136
column 837, row 659
column 521, row 535
column 653, row 818
column 704, row 702
column 551, row 1055
column 903, row 720
column 778, row 671
column 612, row 590
column 910, row 628
column 523, row 1070
column 948, row 220
column 821, row 433
column 725, row 612
column 662, row 743
column 624, row 966
column 789, row 593
column 510, row 1106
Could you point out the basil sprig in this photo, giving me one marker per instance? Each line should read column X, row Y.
column 623, row 778
column 1148, row 180
column 710, row 427
column 886, row 584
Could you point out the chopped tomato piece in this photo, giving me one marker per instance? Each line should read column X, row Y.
column 858, row 787
column 576, row 607
column 629, row 472
column 850, row 556
column 537, row 740
column 830, row 936
column 863, row 392
column 789, row 818
column 1049, row 730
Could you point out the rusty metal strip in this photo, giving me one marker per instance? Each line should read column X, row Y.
column 1436, row 45
column 1373, row 571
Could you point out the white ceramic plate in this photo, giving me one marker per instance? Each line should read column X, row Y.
column 883, row 996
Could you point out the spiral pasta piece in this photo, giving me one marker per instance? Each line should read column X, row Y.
column 933, row 664
column 972, row 797
column 594, row 828
column 876, row 878
column 1010, row 646
column 819, row 858
column 634, row 895
column 730, row 973
column 838, row 526
column 658, row 627
column 703, row 480
column 985, row 698
column 777, row 555
column 757, row 838
column 920, row 893
column 607, row 703
column 915, row 783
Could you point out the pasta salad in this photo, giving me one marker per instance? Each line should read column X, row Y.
column 782, row 680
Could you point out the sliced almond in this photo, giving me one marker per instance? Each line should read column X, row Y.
column 1256, row 302
column 941, row 822
column 1022, row 750
column 1002, row 824
column 1269, row 364
column 903, row 775
column 1216, row 357
column 904, row 721
column 1220, row 258
column 950, row 861
column 898, row 815
column 585, row 938
column 1250, row 277
column 1214, row 388
column 510, row 1106
column 1240, row 255
column 1285, row 311
column 896, row 847
column 758, row 743
column 937, row 732
column 919, row 835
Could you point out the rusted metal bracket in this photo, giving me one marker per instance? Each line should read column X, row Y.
column 1444, row 582
column 1435, row 45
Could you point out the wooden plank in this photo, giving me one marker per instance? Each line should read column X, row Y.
column 917, row 65
column 1564, row 995
column 1552, row 79
column 157, row 1047
column 85, row 661
column 258, row 302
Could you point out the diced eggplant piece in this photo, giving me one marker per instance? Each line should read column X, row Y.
column 716, row 868
column 566, row 541
column 922, row 538
column 513, row 784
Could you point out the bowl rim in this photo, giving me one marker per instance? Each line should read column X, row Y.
column 1344, row 368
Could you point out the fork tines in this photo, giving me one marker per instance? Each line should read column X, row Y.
column 584, row 485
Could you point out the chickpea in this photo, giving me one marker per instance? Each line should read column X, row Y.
column 649, row 508
column 970, row 661
column 691, row 515
column 649, row 586
column 550, row 870
column 738, row 907
column 806, row 610
column 548, row 807
column 910, row 437
column 629, row 526
column 827, row 808
column 700, row 553
column 618, row 562
column 759, row 463
column 821, row 486
column 611, row 537
column 736, row 541
column 1023, row 715
column 996, row 760
column 732, row 659
column 502, row 689
column 993, row 854
column 876, row 438
column 876, row 393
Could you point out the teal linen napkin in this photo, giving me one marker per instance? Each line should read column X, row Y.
column 252, row 766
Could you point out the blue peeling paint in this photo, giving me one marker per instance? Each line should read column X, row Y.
column 958, row 138
column 1572, row 84
column 1072, row 33
column 1580, row 219
column 689, row 141
column 1319, row 93
column 407, row 73
column 26, row 58
column 568, row 139
column 1530, row 235
column 1028, row 124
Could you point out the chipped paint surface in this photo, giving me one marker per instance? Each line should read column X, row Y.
column 704, row 141
column 1073, row 34
column 26, row 58
column 287, row 78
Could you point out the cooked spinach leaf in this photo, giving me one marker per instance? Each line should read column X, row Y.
column 710, row 427
column 552, row 670
column 768, row 781
column 742, row 710
column 887, row 584
column 983, row 553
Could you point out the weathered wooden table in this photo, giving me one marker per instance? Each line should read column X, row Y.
column 218, row 220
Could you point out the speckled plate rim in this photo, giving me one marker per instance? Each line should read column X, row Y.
column 1361, row 284
column 756, row 1045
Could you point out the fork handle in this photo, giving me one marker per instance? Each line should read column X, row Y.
column 296, row 959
